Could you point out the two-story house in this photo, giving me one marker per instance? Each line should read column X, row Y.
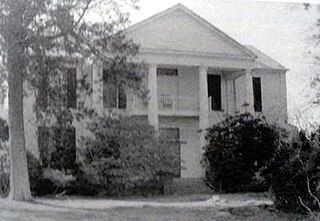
column 196, row 75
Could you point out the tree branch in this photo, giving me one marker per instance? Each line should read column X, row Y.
column 309, row 210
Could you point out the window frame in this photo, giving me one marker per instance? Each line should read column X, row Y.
column 119, row 91
column 44, row 101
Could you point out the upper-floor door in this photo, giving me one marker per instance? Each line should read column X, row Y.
column 168, row 83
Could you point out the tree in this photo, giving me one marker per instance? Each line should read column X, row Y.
column 36, row 38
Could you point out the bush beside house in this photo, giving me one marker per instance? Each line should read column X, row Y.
column 295, row 174
column 245, row 153
column 238, row 153
column 122, row 157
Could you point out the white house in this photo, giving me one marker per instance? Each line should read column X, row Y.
column 197, row 75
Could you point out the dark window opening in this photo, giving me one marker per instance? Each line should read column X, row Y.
column 167, row 71
column 114, row 95
column 71, row 83
column 214, row 91
column 57, row 147
column 257, row 96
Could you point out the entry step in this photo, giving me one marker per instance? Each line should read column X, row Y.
column 186, row 186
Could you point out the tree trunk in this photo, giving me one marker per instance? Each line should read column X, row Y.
column 19, row 179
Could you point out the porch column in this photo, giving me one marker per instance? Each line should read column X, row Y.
column 203, row 103
column 249, row 91
column 153, row 96
column 230, row 97
column 97, row 86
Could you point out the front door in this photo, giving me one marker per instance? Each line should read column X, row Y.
column 170, row 151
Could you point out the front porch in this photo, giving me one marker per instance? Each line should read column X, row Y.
column 203, row 92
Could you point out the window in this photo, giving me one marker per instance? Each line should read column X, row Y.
column 171, row 149
column 257, row 97
column 167, row 71
column 214, row 91
column 69, row 82
column 114, row 95
column 57, row 147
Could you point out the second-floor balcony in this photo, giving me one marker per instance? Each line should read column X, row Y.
column 168, row 105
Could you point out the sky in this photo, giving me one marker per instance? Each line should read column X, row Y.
column 282, row 30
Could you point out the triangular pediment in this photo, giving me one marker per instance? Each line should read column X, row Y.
column 179, row 29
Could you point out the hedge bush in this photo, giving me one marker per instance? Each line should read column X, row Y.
column 295, row 174
column 40, row 184
column 239, row 150
column 123, row 156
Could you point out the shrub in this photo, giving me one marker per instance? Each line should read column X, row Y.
column 296, row 175
column 40, row 183
column 4, row 158
column 239, row 150
column 122, row 157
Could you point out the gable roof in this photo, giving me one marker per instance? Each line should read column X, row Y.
column 179, row 7
column 263, row 61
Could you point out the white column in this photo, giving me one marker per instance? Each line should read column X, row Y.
column 203, row 98
column 97, row 86
column 249, row 91
column 203, row 104
column 224, row 97
column 283, row 96
column 203, row 113
column 230, row 97
column 153, row 97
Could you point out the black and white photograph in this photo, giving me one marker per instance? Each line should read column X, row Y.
column 172, row 110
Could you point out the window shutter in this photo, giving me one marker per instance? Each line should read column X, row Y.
column 69, row 144
column 109, row 91
column 71, row 88
column 257, row 96
column 122, row 98
column 64, row 155
column 43, row 145
column 43, row 95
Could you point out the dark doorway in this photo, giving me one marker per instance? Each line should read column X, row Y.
column 214, row 91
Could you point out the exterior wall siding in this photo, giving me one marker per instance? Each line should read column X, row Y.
column 273, row 88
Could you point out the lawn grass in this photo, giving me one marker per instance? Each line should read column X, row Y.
column 150, row 214
column 41, row 211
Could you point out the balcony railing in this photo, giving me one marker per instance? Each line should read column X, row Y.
column 169, row 102
column 166, row 103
